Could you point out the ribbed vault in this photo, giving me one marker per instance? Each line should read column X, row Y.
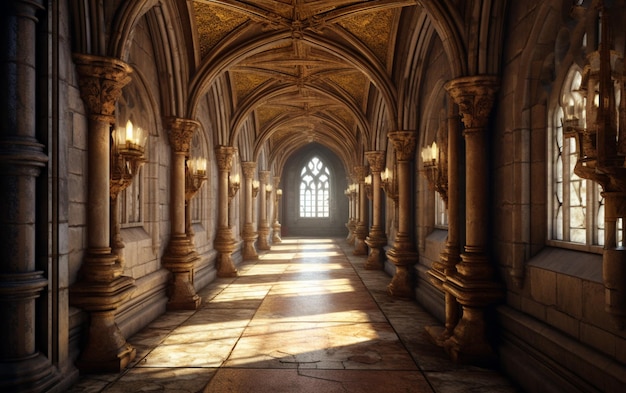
column 299, row 71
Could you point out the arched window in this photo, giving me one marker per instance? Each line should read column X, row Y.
column 577, row 204
column 314, row 189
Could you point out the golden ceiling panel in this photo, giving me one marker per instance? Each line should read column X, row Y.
column 245, row 82
column 267, row 113
column 344, row 114
column 374, row 30
column 354, row 83
column 213, row 24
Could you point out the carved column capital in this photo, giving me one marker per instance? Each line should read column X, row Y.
column 276, row 182
column 224, row 156
column 475, row 96
column 404, row 143
column 376, row 159
column 248, row 168
column 264, row 176
column 101, row 80
column 360, row 172
column 180, row 132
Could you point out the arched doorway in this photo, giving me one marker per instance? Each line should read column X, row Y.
column 314, row 181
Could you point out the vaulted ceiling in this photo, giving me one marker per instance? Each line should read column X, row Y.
column 301, row 70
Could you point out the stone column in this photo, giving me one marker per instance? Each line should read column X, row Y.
column 403, row 253
column 276, row 235
column 450, row 256
column 354, row 211
column 376, row 238
column 23, row 366
column 264, row 228
column 224, row 240
column 350, row 224
column 180, row 255
column 101, row 288
column 249, row 234
column 360, row 232
column 474, row 284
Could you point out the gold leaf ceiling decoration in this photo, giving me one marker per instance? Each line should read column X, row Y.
column 300, row 64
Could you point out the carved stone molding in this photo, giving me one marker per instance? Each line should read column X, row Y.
column 264, row 176
column 360, row 172
column 376, row 159
column 248, row 168
column 180, row 132
column 101, row 80
column 475, row 96
column 404, row 143
column 224, row 156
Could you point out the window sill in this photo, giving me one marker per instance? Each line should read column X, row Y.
column 584, row 265
column 575, row 246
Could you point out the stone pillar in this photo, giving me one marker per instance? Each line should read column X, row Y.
column 224, row 240
column 180, row 255
column 360, row 232
column 276, row 235
column 354, row 212
column 614, row 257
column 23, row 367
column 249, row 234
column 264, row 227
column 101, row 288
column 376, row 239
column 403, row 254
column 450, row 256
column 474, row 284
column 351, row 223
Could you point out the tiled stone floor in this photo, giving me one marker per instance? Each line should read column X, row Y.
column 305, row 317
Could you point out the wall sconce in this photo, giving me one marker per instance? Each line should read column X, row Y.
column 127, row 156
column 279, row 193
column 268, row 190
column 255, row 188
column 195, row 176
column 233, row 186
column 596, row 122
column 389, row 184
column 368, row 186
column 591, row 116
column 435, row 169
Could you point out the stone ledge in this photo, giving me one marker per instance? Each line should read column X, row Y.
column 584, row 265
column 542, row 359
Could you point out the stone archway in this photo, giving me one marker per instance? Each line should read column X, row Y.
column 293, row 224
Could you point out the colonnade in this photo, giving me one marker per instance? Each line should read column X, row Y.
column 467, row 279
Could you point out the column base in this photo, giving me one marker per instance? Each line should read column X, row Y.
column 182, row 293
column 262, row 243
column 225, row 265
column 375, row 260
column 180, row 259
column 106, row 350
column 249, row 251
column 276, row 235
column 376, row 257
column 468, row 344
column 438, row 335
column 360, row 248
column 31, row 374
column 401, row 284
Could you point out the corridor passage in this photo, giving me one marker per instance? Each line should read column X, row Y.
column 305, row 317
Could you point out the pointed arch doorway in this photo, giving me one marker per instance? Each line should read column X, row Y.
column 314, row 203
